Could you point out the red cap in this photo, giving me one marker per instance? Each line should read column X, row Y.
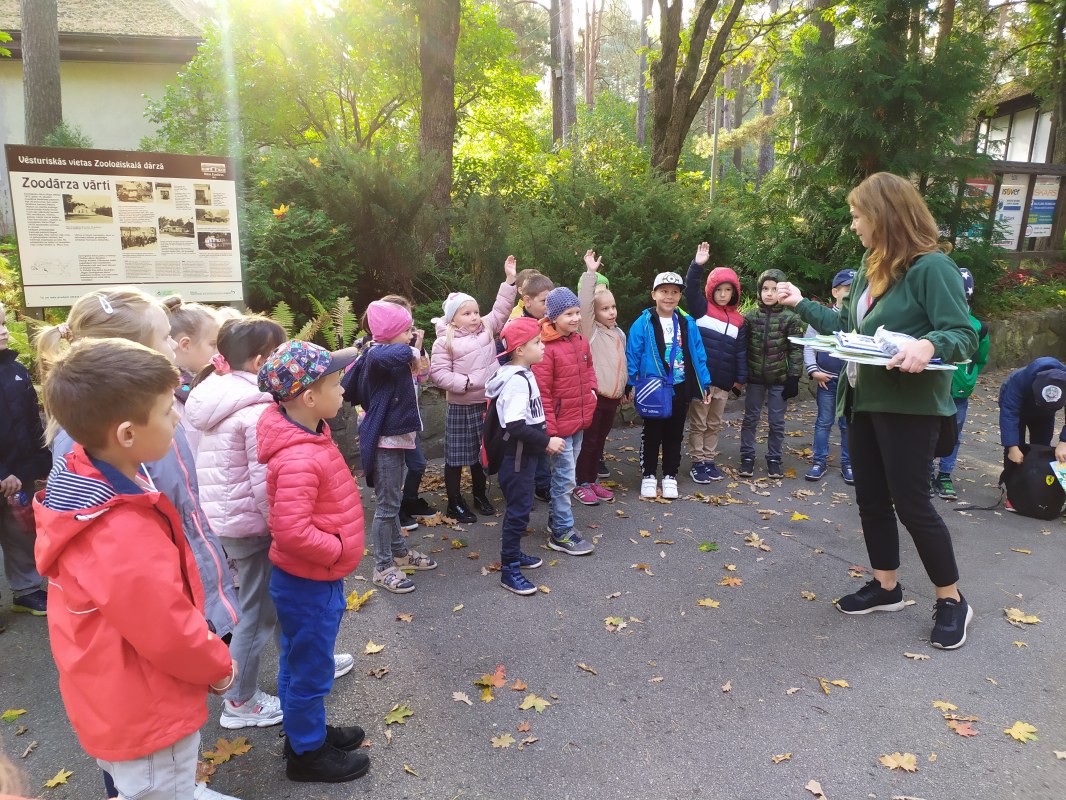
column 517, row 332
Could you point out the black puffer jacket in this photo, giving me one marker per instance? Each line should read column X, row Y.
column 22, row 450
column 772, row 358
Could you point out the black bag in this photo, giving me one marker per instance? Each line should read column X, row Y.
column 1032, row 488
column 495, row 437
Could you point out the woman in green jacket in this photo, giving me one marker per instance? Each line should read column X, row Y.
column 905, row 284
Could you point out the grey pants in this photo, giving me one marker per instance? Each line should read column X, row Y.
column 167, row 774
column 258, row 623
column 389, row 470
column 755, row 396
column 17, row 544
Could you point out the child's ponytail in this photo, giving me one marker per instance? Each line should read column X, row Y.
column 240, row 340
column 187, row 319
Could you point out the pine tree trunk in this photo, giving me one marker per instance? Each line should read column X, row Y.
column 438, row 34
column 566, row 64
column 766, row 139
column 642, row 89
column 556, row 72
column 946, row 23
column 41, row 90
column 738, row 116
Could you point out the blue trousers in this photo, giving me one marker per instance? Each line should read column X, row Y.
column 823, row 426
column 516, row 481
column 309, row 613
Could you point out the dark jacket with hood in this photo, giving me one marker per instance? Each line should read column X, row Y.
column 1018, row 403
column 22, row 450
column 772, row 358
column 722, row 328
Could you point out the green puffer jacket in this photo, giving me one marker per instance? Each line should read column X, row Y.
column 772, row 358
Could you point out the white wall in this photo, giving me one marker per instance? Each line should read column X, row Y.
column 104, row 100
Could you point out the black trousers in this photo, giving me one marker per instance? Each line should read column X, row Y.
column 892, row 455
column 666, row 433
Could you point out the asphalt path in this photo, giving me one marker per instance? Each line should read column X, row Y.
column 685, row 700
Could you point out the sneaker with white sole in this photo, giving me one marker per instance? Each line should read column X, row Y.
column 649, row 486
column 529, row 562
column 342, row 664
column 871, row 597
column 570, row 543
column 951, row 618
column 392, row 580
column 255, row 712
column 413, row 559
column 669, row 487
column 204, row 792
column 586, row 495
column 602, row 491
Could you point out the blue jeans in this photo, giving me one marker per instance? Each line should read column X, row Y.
column 309, row 613
column 388, row 490
column 823, row 426
column 516, row 482
column 563, row 467
column 947, row 463
column 755, row 396
column 544, row 471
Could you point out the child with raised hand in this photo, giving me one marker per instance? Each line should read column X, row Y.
column 521, row 414
column 464, row 358
column 24, row 460
column 224, row 406
column 664, row 342
column 607, row 344
column 381, row 382
column 725, row 340
column 316, row 521
column 129, row 313
column 774, row 367
column 567, row 382
column 824, row 370
column 134, row 654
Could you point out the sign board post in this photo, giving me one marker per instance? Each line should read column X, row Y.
column 89, row 219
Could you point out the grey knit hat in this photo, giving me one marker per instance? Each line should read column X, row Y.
column 559, row 300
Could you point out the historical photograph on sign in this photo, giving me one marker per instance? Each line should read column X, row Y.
column 164, row 194
column 88, row 208
column 212, row 216
column 140, row 239
column 176, row 227
column 134, row 192
column 202, row 193
column 214, row 240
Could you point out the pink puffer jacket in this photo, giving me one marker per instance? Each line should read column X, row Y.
column 316, row 517
column 225, row 409
column 463, row 369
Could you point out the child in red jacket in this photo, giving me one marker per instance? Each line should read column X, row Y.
column 567, row 384
column 316, row 521
column 126, row 611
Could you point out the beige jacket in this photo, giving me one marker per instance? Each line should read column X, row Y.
column 608, row 345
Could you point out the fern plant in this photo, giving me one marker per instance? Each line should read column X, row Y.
column 333, row 328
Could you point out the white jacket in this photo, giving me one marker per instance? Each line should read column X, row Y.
column 226, row 409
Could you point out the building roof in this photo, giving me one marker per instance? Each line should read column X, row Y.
column 169, row 18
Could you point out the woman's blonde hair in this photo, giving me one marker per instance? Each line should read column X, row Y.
column 901, row 227
column 119, row 313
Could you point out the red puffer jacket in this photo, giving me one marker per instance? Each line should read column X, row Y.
column 567, row 381
column 316, row 517
column 125, row 614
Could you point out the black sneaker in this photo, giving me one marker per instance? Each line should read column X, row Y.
column 602, row 471
column 418, row 508
column 327, row 764
column 944, row 487
column 950, row 620
column 407, row 522
column 871, row 597
column 698, row 473
column 346, row 739
column 483, row 506
column 712, row 471
column 747, row 468
column 458, row 511
column 543, row 493
column 773, row 468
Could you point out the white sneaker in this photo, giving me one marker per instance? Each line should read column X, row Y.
column 669, row 487
column 649, row 485
column 204, row 792
column 256, row 712
column 342, row 664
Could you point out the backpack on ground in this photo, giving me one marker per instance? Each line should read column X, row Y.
column 495, row 438
column 1032, row 488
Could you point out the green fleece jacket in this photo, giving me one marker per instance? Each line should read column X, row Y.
column 929, row 302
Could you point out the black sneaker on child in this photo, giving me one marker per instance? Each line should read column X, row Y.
column 347, row 739
column 483, row 506
column 326, row 764
column 543, row 493
column 418, row 507
column 458, row 511
column 747, row 468
column 407, row 522
column 950, row 619
column 602, row 471
column 872, row 597
column 773, row 468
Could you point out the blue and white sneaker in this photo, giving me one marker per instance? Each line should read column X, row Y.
column 512, row 579
column 529, row 562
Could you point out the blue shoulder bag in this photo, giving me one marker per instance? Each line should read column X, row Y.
column 654, row 394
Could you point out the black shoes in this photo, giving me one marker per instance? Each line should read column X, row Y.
column 327, row 764
column 483, row 506
column 543, row 493
column 773, row 468
column 458, row 511
column 872, row 597
column 418, row 508
column 950, row 620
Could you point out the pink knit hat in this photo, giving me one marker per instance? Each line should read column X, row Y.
column 387, row 320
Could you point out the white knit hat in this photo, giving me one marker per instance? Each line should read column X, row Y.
column 451, row 305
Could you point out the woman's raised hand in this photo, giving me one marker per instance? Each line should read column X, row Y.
column 788, row 294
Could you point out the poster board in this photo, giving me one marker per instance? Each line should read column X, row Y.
column 1009, row 210
column 89, row 219
column 1042, row 206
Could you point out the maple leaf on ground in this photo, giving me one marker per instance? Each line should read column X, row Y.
column 730, row 567
column 506, row 740
column 461, row 697
column 908, row 762
column 226, row 749
column 12, row 714
column 643, row 568
column 916, row 656
column 1022, row 731
column 494, row 680
column 60, row 778
column 963, row 728
column 398, row 714
column 727, row 687
column 943, row 705
column 372, row 648
column 1019, row 644
column 538, row 704
column 205, row 771
column 519, row 685
column 793, row 690
column 826, row 683
column 378, row 672
column 1018, row 617
column 796, row 516
column 782, row 757
column 708, row 547
column 486, row 695
column 807, row 595
column 707, row 602
column 356, row 600
column 524, row 727
column 614, row 624
column 815, row 788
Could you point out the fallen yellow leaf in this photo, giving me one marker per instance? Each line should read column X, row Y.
column 504, row 741
column 916, row 656
column 1017, row 616
column 1022, row 550
column 807, row 595
column 60, row 778
column 782, row 757
column 372, row 648
column 409, row 771
column 908, row 762
column 458, row 608
column 1019, row 644
column 943, row 705
column 1022, row 731
column 796, row 516
column 707, row 602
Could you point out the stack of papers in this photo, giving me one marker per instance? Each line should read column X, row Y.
column 876, row 350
